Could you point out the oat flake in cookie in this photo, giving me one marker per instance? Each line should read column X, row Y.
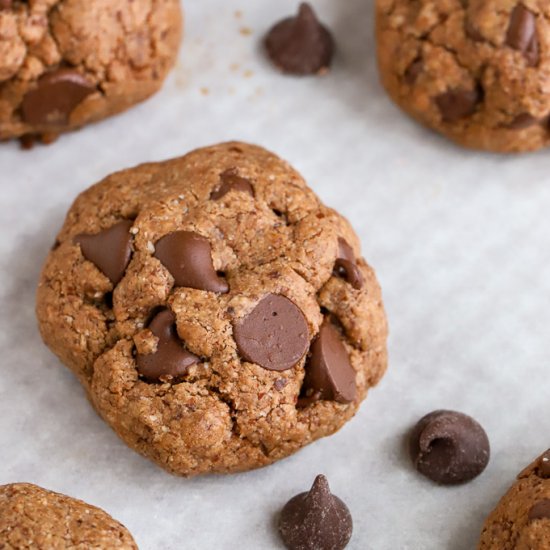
column 231, row 335
column 476, row 71
column 67, row 63
column 32, row 518
column 521, row 520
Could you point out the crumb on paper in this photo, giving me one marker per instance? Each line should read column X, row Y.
column 238, row 14
column 245, row 31
column 234, row 67
column 205, row 91
column 248, row 73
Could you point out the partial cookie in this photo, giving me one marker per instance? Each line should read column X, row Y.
column 521, row 520
column 67, row 63
column 36, row 519
column 476, row 71
column 218, row 314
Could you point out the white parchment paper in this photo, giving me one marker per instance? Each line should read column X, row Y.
column 460, row 241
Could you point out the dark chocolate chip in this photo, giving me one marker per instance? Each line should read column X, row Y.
column 522, row 34
column 329, row 374
column 109, row 250
column 300, row 45
column 346, row 266
column 543, row 468
column 316, row 520
column 188, row 258
column 55, row 97
column 171, row 361
column 449, row 447
column 472, row 33
column 522, row 121
column 231, row 181
column 274, row 334
column 455, row 105
column 413, row 71
column 540, row 510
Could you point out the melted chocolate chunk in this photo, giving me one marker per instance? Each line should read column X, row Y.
column 346, row 265
column 171, row 361
column 522, row 34
column 449, row 447
column 109, row 250
column 329, row 374
column 455, row 105
column 231, row 181
column 188, row 258
column 316, row 520
column 54, row 99
column 274, row 334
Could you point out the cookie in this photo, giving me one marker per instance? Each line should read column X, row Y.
column 67, row 63
column 521, row 520
column 218, row 314
column 37, row 519
column 473, row 71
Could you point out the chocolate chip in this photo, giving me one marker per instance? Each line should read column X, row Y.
column 317, row 520
column 458, row 104
column 55, row 97
column 346, row 266
column 231, row 181
column 449, row 447
column 541, row 510
column 522, row 121
column 543, row 468
column 413, row 71
column 171, row 361
column 274, row 334
column 300, row 45
column 109, row 250
column 329, row 374
column 188, row 258
column 472, row 33
column 522, row 34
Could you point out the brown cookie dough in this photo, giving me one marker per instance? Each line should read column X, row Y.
column 478, row 72
column 521, row 520
column 197, row 353
column 67, row 63
column 37, row 519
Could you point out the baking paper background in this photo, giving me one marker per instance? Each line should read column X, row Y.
column 460, row 241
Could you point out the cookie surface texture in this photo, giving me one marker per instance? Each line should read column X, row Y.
column 196, row 355
column 521, row 520
column 67, row 63
column 476, row 72
column 32, row 518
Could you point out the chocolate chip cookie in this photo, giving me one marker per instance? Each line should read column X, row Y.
column 67, row 63
column 218, row 314
column 475, row 71
column 37, row 519
column 521, row 520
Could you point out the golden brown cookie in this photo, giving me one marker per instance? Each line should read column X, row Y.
column 218, row 314
column 67, row 63
column 475, row 71
column 521, row 520
column 36, row 519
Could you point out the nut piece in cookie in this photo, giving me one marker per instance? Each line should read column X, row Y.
column 316, row 520
column 521, row 520
column 35, row 518
column 218, row 314
column 449, row 447
column 475, row 71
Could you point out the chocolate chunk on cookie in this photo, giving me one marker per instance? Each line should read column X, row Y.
column 449, row 447
column 472, row 71
column 224, row 327
column 35, row 518
column 67, row 64
column 316, row 520
column 522, row 517
column 300, row 45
